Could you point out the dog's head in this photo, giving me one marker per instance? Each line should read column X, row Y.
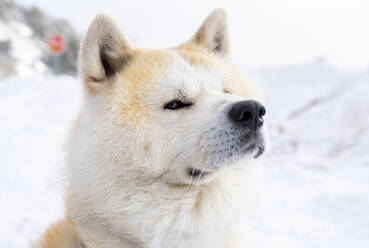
column 181, row 114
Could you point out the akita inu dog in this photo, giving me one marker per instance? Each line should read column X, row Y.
column 158, row 154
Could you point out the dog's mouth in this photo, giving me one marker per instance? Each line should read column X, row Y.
column 259, row 150
column 255, row 149
column 197, row 173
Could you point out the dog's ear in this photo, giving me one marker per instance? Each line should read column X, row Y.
column 213, row 33
column 104, row 51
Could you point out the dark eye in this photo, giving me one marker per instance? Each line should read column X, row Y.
column 227, row 91
column 176, row 104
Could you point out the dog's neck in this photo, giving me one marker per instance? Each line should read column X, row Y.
column 192, row 214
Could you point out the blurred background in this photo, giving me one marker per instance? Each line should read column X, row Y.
column 310, row 57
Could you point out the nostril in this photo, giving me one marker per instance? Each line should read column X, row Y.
column 262, row 112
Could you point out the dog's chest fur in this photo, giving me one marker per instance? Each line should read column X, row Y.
column 164, row 217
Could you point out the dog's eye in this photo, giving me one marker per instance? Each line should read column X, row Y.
column 176, row 104
column 227, row 91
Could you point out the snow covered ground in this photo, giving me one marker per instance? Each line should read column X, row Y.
column 316, row 190
column 35, row 116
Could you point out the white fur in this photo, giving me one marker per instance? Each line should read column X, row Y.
column 128, row 186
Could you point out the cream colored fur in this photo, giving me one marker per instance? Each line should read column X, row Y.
column 128, row 157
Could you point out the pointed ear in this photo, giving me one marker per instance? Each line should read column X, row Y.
column 104, row 51
column 213, row 33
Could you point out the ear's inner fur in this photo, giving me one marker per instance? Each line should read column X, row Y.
column 104, row 51
column 213, row 33
column 220, row 47
column 112, row 61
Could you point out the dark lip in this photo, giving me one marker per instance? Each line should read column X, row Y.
column 196, row 173
column 201, row 173
column 258, row 145
column 261, row 150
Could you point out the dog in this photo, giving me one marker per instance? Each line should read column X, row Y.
column 159, row 154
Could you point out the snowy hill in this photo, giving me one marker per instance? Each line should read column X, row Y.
column 23, row 33
column 316, row 188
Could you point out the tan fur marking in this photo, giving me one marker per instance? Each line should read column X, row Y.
column 198, row 58
column 239, row 85
column 193, row 47
column 137, row 81
column 201, row 57
column 62, row 234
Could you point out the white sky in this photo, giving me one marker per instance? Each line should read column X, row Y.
column 262, row 32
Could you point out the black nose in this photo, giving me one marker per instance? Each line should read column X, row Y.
column 249, row 113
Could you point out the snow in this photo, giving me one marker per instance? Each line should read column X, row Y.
column 315, row 192
column 317, row 173
column 35, row 117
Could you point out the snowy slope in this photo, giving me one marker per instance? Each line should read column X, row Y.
column 316, row 189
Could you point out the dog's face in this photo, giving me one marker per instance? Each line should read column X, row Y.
column 172, row 114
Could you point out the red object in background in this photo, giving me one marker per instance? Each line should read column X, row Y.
column 56, row 43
